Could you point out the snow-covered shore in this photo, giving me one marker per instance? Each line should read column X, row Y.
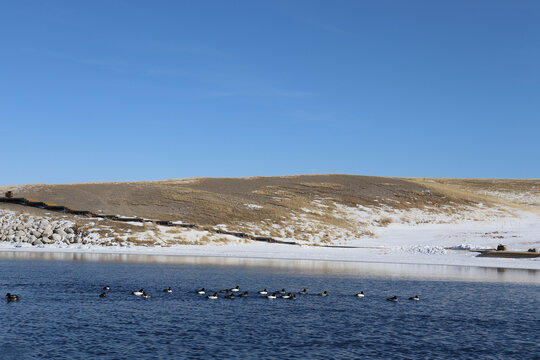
column 440, row 241
column 435, row 244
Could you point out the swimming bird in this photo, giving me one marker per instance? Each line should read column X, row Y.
column 169, row 290
column 273, row 296
column 414, row 298
column 12, row 297
column 212, row 297
column 303, row 292
column 360, row 294
column 393, row 298
column 201, row 292
column 103, row 294
column 146, row 296
column 138, row 293
column 107, row 287
column 263, row 292
column 293, row 297
column 245, row 294
column 324, row 293
column 230, row 296
column 285, row 296
column 235, row 289
column 224, row 291
column 282, row 291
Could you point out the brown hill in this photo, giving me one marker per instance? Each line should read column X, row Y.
column 289, row 205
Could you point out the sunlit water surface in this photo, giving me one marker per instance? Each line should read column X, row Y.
column 60, row 314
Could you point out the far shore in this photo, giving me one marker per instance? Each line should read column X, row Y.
column 486, row 270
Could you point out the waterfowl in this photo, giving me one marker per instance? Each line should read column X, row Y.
column 201, row 292
column 263, row 292
column 235, row 289
column 103, row 294
column 293, row 297
column 282, row 291
column 245, row 294
column 324, row 293
column 138, row 293
column 224, row 291
column 393, row 298
column 273, row 296
column 169, row 290
column 107, row 287
column 212, row 297
column 230, row 296
column 416, row 298
column 285, row 296
column 360, row 294
column 12, row 297
column 303, row 292
column 146, row 296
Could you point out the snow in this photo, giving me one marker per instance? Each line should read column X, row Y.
column 253, row 206
column 425, row 238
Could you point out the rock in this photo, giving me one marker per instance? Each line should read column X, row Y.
column 56, row 237
column 47, row 232
column 60, row 232
column 37, row 242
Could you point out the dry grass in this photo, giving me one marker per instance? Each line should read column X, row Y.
column 305, row 204
column 474, row 190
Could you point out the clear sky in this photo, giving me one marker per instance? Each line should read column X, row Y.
column 140, row 90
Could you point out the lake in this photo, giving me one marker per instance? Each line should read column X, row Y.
column 60, row 314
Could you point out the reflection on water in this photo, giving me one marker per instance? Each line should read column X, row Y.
column 364, row 269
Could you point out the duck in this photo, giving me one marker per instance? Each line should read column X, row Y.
column 230, row 296
column 273, row 296
column 169, row 290
column 226, row 291
column 146, row 296
column 416, row 298
column 201, row 292
column 106, row 288
column 293, row 297
column 212, row 297
column 138, row 293
column 263, row 292
column 245, row 294
column 282, row 291
column 103, row 294
column 360, row 294
column 393, row 298
column 12, row 297
column 235, row 289
column 288, row 296
column 324, row 293
column 303, row 292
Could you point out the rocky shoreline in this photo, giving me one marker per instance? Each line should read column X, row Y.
column 37, row 230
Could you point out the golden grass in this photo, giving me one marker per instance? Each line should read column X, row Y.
column 461, row 189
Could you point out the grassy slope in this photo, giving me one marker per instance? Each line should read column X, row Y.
column 270, row 204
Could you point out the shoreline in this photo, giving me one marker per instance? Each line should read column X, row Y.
column 490, row 271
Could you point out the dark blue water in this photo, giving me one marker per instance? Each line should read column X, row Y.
column 61, row 316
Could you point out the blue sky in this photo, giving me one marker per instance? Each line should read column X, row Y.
column 133, row 90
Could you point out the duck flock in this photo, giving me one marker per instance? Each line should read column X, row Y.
column 231, row 294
